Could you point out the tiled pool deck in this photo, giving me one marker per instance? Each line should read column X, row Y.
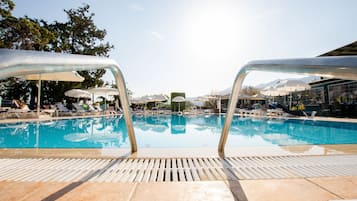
column 306, row 188
column 314, row 189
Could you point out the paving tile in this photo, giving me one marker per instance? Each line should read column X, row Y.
column 17, row 190
column 183, row 191
column 279, row 190
column 44, row 190
column 345, row 187
column 99, row 192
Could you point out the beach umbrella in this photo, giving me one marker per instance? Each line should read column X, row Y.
column 77, row 93
column 70, row 76
column 138, row 100
column 158, row 98
column 104, row 92
column 292, row 86
column 179, row 100
column 272, row 92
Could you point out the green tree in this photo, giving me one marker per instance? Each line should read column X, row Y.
column 24, row 33
column 79, row 35
column 21, row 33
column 6, row 7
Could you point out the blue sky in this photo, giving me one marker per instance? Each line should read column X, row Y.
column 198, row 46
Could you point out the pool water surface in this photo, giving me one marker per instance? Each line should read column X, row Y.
column 175, row 132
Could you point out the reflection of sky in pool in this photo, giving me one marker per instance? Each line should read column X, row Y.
column 173, row 131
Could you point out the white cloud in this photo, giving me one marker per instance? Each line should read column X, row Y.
column 156, row 35
column 136, row 7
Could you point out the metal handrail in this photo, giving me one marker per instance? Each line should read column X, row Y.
column 21, row 62
column 343, row 67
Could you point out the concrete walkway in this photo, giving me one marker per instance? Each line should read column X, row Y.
column 316, row 189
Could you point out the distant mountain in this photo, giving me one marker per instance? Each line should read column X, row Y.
column 272, row 83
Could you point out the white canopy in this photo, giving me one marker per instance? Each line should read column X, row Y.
column 103, row 91
column 159, row 98
column 292, row 85
column 274, row 92
column 149, row 98
column 71, row 76
column 77, row 93
column 178, row 99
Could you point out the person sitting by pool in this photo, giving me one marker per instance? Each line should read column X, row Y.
column 20, row 105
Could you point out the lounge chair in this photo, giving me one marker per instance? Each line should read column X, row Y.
column 275, row 112
column 79, row 109
column 62, row 110
column 21, row 110
column 98, row 108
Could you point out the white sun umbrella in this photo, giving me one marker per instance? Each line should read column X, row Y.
column 146, row 100
column 71, row 76
column 138, row 100
column 77, row 93
column 159, row 98
column 105, row 92
column 292, row 86
column 272, row 92
column 179, row 100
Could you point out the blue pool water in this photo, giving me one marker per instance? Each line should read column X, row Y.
column 173, row 131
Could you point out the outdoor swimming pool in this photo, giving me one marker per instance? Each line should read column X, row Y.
column 174, row 131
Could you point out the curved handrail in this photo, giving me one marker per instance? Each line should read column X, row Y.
column 23, row 62
column 344, row 67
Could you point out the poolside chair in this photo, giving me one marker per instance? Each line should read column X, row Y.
column 275, row 112
column 98, row 108
column 91, row 108
column 20, row 110
column 62, row 110
column 79, row 109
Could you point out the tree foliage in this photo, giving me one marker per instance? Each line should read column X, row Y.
column 6, row 6
column 77, row 35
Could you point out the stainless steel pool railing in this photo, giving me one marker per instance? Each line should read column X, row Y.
column 21, row 62
column 343, row 67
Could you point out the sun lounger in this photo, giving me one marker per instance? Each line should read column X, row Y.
column 21, row 110
column 98, row 108
column 275, row 112
column 62, row 110
column 79, row 109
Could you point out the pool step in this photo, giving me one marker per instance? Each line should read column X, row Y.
column 175, row 169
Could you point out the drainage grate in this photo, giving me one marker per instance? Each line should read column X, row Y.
column 176, row 169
